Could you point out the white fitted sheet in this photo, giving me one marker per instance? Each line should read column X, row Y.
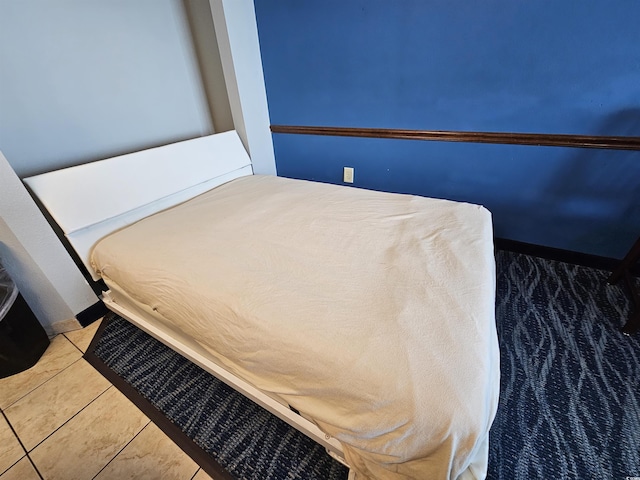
column 371, row 313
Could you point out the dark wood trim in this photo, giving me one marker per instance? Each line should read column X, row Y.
column 624, row 271
column 188, row 446
column 633, row 323
column 560, row 255
column 627, row 263
column 91, row 314
column 506, row 138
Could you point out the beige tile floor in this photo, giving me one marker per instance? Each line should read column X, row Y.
column 61, row 419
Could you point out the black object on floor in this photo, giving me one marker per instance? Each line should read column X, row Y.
column 22, row 338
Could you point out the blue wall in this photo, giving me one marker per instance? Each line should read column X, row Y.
column 539, row 67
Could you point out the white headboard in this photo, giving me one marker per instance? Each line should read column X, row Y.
column 92, row 200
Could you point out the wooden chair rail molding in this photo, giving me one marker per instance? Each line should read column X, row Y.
column 539, row 139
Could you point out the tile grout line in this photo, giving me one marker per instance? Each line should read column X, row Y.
column 26, row 454
column 48, row 379
column 15, row 434
column 40, row 385
column 68, row 420
column 73, row 343
column 122, row 449
column 64, row 334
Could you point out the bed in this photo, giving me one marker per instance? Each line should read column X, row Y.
column 364, row 319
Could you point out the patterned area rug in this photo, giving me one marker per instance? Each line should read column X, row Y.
column 569, row 400
column 570, row 389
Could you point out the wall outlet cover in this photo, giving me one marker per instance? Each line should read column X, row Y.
column 348, row 175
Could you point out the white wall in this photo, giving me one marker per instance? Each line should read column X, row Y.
column 33, row 255
column 82, row 80
column 237, row 34
column 203, row 34
column 89, row 79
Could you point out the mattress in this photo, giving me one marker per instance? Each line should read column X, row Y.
column 371, row 313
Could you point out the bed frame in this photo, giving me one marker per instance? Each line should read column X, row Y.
column 138, row 185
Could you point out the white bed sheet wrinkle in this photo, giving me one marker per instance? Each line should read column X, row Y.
column 390, row 329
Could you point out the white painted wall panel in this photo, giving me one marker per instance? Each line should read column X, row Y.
column 46, row 276
column 237, row 34
column 88, row 79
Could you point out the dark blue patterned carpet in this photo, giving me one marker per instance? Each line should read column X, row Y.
column 569, row 401
column 570, row 390
column 242, row 437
